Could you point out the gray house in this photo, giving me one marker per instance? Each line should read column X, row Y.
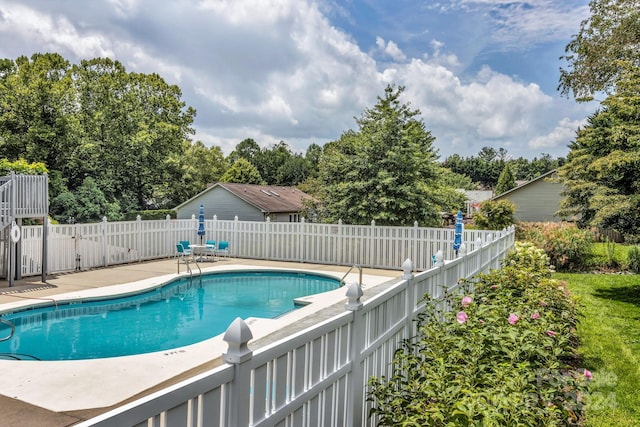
column 246, row 201
column 536, row 200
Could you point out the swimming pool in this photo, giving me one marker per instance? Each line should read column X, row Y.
column 182, row 312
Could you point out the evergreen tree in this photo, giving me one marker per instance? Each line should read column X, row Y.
column 603, row 166
column 386, row 171
column 506, row 181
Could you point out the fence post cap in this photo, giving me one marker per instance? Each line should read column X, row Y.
column 354, row 292
column 463, row 250
column 407, row 269
column 237, row 336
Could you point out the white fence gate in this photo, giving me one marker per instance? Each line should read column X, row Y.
column 318, row 376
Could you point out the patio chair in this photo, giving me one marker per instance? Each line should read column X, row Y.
column 182, row 253
column 209, row 248
column 186, row 245
column 223, row 248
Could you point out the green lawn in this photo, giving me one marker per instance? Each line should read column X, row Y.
column 609, row 331
column 611, row 255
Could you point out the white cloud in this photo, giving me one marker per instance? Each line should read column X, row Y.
column 493, row 107
column 391, row 49
column 277, row 70
column 51, row 31
column 519, row 23
column 123, row 7
column 560, row 136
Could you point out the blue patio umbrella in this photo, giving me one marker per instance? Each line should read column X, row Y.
column 201, row 231
column 457, row 237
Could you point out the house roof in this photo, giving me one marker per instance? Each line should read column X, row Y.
column 476, row 195
column 268, row 198
column 519, row 187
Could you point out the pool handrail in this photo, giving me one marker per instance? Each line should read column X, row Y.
column 359, row 267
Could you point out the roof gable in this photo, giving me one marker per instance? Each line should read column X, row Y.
column 520, row 187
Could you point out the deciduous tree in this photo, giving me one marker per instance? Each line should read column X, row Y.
column 242, row 172
column 189, row 173
column 608, row 38
column 93, row 119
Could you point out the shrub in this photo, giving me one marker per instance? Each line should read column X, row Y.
column 608, row 255
column 495, row 215
column 568, row 247
column 633, row 259
column 150, row 214
column 526, row 255
column 504, row 356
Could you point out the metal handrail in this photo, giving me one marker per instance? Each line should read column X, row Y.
column 197, row 265
column 186, row 262
column 13, row 329
column 359, row 267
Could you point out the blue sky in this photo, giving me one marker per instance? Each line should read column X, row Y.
column 482, row 72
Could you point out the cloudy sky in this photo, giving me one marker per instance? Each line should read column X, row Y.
column 482, row 72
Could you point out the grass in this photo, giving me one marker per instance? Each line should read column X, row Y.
column 609, row 332
column 609, row 255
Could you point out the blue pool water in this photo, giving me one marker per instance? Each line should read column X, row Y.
column 183, row 312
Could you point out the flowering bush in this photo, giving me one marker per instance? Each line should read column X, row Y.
column 567, row 246
column 504, row 356
column 526, row 255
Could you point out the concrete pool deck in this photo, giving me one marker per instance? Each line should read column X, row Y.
column 66, row 392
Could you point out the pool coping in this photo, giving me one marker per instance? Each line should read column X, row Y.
column 76, row 385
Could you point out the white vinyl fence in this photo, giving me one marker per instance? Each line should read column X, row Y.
column 83, row 246
column 317, row 377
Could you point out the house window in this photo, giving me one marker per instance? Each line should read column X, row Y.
column 294, row 217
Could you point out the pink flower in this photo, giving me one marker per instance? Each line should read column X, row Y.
column 481, row 321
column 587, row 374
column 461, row 317
column 466, row 301
column 535, row 315
column 551, row 333
column 513, row 319
column 494, row 286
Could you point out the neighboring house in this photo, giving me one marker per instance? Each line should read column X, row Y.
column 474, row 199
column 536, row 200
column 246, row 201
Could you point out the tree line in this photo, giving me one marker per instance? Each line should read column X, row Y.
column 114, row 141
